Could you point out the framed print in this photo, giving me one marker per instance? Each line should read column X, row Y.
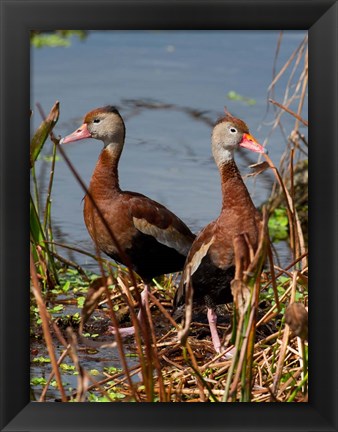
column 156, row 70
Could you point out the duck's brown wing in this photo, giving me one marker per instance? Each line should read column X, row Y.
column 152, row 218
column 198, row 251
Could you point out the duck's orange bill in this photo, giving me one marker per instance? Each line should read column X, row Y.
column 79, row 134
column 250, row 143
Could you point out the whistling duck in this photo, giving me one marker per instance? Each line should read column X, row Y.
column 210, row 265
column 152, row 238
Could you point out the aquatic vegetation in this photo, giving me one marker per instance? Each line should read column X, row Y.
column 232, row 95
column 56, row 38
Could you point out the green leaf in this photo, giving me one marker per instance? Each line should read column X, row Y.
column 66, row 286
column 50, row 158
column 111, row 370
column 80, row 301
column 67, row 367
column 35, row 225
column 232, row 95
column 115, row 395
column 52, row 40
column 41, row 359
column 42, row 132
column 56, row 38
column 56, row 309
column 38, row 381
column 278, row 225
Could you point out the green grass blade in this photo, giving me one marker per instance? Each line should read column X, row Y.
column 42, row 133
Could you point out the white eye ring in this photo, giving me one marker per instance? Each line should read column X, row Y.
column 96, row 120
column 233, row 130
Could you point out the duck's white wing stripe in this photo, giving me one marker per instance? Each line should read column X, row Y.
column 169, row 237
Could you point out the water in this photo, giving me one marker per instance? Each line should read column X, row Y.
column 167, row 154
column 95, row 362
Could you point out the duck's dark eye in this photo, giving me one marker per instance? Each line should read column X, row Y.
column 233, row 130
column 96, row 120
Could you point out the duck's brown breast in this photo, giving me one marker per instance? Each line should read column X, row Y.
column 116, row 214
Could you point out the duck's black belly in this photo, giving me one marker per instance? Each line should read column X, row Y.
column 211, row 284
column 149, row 258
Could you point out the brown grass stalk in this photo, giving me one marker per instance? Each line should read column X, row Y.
column 294, row 222
column 45, row 326
column 288, row 110
column 51, row 375
column 285, row 342
column 118, row 337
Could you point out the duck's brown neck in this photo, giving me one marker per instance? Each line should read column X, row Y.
column 234, row 191
column 105, row 180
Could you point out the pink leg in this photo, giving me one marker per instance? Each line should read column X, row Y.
column 129, row 331
column 212, row 319
column 144, row 299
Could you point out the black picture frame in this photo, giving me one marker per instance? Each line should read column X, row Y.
column 320, row 18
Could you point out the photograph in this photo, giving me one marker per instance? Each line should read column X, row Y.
column 169, row 216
